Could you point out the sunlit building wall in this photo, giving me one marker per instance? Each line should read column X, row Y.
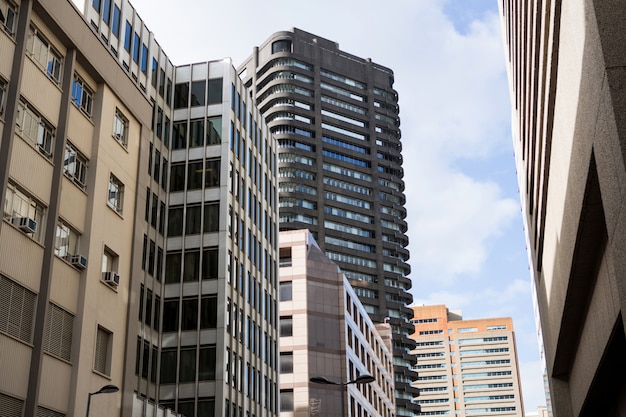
column 565, row 63
column 466, row 367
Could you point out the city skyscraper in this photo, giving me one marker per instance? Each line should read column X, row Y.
column 335, row 117
column 466, row 367
column 567, row 82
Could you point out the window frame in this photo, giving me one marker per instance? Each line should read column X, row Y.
column 77, row 174
column 3, row 93
column 82, row 95
column 120, row 128
column 10, row 10
column 44, row 54
column 115, row 195
column 36, row 129
column 73, row 237
column 102, row 351
column 27, row 206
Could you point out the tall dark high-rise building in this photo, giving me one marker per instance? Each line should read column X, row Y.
column 335, row 117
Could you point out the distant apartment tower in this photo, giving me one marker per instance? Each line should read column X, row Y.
column 324, row 331
column 335, row 117
column 139, row 237
column 565, row 63
column 466, row 367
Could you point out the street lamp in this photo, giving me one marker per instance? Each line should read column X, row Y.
column 361, row 379
column 107, row 389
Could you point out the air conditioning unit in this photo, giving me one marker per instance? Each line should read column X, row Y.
column 78, row 261
column 111, row 278
column 25, row 224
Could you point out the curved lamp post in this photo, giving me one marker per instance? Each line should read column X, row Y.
column 361, row 379
column 107, row 389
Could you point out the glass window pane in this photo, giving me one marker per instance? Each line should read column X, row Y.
column 193, row 220
column 215, row 91
column 168, row 366
column 172, row 268
column 197, row 93
column 194, row 180
column 187, row 366
column 190, row 315
column 206, row 368
column 170, row 316
column 192, row 266
column 208, row 313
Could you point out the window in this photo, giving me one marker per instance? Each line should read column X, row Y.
column 102, row 357
column 44, row 54
column 109, row 261
column 285, row 290
column 283, row 45
column 212, row 176
column 11, row 406
column 18, row 205
column 210, row 263
column 57, row 337
column 168, row 366
column 3, row 91
column 286, row 400
column 181, row 95
column 211, row 217
column 17, row 309
column 286, row 326
column 136, row 42
column 34, row 128
column 8, row 13
column 75, row 165
column 120, row 128
column 187, row 370
column 177, row 177
column 127, row 35
column 144, row 58
column 214, row 130
column 170, row 316
column 189, row 314
column 286, row 362
column 215, row 91
column 66, row 242
column 206, row 366
column 116, row 194
column 208, row 312
column 82, row 95
column 179, row 135
column 198, row 97
column 196, row 133
column 115, row 28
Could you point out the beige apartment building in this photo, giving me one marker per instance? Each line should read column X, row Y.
column 74, row 132
column 566, row 75
column 466, row 367
column 326, row 332
column 139, row 234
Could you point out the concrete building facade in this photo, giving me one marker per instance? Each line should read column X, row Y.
column 466, row 367
column 324, row 331
column 336, row 119
column 139, row 237
column 565, row 62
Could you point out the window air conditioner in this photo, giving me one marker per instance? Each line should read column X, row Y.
column 111, row 278
column 25, row 224
column 78, row 261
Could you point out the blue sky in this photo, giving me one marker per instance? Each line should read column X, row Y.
column 465, row 227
